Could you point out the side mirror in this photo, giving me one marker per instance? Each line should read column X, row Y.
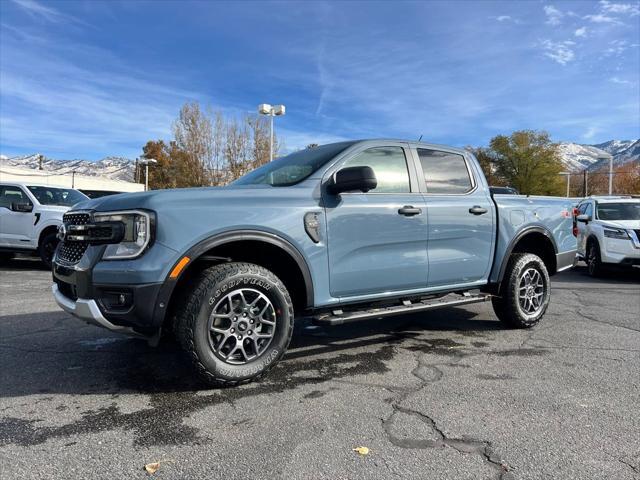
column 351, row 179
column 584, row 218
column 22, row 207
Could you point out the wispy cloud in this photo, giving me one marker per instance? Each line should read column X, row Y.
column 504, row 18
column 581, row 32
column 560, row 52
column 48, row 13
column 621, row 81
column 590, row 133
column 631, row 9
column 554, row 16
column 601, row 18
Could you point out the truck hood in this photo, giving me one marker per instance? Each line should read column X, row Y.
column 625, row 224
column 156, row 199
column 53, row 209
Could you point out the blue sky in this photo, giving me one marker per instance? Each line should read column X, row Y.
column 91, row 79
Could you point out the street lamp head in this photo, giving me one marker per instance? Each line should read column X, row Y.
column 604, row 156
column 148, row 161
column 265, row 109
column 278, row 110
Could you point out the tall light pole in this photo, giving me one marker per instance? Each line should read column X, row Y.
column 568, row 175
column 146, row 162
column 606, row 156
column 272, row 111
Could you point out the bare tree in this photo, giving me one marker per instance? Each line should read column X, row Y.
column 193, row 134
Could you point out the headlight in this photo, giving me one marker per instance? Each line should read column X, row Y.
column 616, row 233
column 138, row 226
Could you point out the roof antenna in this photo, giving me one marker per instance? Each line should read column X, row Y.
column 420, row 139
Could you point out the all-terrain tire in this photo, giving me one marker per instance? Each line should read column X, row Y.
column 194, row 315
column 594, row 261
column 513, row 310
column 47, row 248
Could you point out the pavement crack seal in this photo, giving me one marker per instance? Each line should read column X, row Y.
column 436, row 437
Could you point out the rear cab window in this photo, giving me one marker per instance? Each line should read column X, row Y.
column 445, row 173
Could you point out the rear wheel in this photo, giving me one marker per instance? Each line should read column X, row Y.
column 47, row 248
column 236, row 323
column 594, row 261
column 525, row 292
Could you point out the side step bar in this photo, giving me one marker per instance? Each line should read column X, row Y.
column 338, row 316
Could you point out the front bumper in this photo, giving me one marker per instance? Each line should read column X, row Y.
column 88, row 311
column 623, row 252
column 125, row 296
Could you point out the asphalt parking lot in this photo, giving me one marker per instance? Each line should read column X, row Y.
column 448, row 394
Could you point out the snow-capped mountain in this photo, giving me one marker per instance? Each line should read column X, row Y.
column 577, row 156
column 115, row 168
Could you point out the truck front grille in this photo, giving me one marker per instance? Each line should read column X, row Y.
column 72, row 251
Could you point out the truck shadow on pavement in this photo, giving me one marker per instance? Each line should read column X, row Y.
column 71, row 358
column 68, row 362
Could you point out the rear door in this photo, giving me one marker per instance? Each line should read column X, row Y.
column 15, row 227
column 461, row 218
column 377, row 243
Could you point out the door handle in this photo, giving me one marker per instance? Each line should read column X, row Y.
column 477, row 210
column 409, row 211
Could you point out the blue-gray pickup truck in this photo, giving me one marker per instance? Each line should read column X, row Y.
column 337, row 233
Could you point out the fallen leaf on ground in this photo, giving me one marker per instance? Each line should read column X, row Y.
column 362, row 450
column 152, row 467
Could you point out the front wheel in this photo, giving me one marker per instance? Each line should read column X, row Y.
column 594, row 261
column 47, row 248
column 236, row 323
column 525, row 292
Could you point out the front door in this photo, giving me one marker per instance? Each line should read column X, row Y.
column 377, row 240
column 15, row 227
column 461, row 216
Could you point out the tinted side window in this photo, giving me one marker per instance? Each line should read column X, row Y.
column 444, row 172
column 390, row 166
column 589, row 210
column 12, row 194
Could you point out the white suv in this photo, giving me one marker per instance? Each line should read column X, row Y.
column 30, row 215
column 608, row 231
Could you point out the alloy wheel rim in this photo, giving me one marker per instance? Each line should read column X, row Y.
column 531, row 291
column 241, row 326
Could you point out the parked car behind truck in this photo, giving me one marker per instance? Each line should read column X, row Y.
column 30, row 215
column 608, row 231
column 342, row 232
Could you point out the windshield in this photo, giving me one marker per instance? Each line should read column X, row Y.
column 66, row 197
column 293, row 168
column 619, row 211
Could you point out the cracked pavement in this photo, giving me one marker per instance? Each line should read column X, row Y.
column 444, row 394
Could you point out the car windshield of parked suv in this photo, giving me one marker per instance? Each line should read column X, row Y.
column 619, row 211
column 293, row 168
column 66, row 197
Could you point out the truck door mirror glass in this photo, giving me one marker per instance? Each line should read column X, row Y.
column 584, row 218
column 351, row 179
column 21, row 207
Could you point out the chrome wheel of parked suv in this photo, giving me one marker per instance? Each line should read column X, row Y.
column 524, row 295
column 235, row 323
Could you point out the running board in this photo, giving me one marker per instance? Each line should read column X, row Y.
column 338, row 316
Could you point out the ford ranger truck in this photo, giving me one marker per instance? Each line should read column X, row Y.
column 339, row 233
